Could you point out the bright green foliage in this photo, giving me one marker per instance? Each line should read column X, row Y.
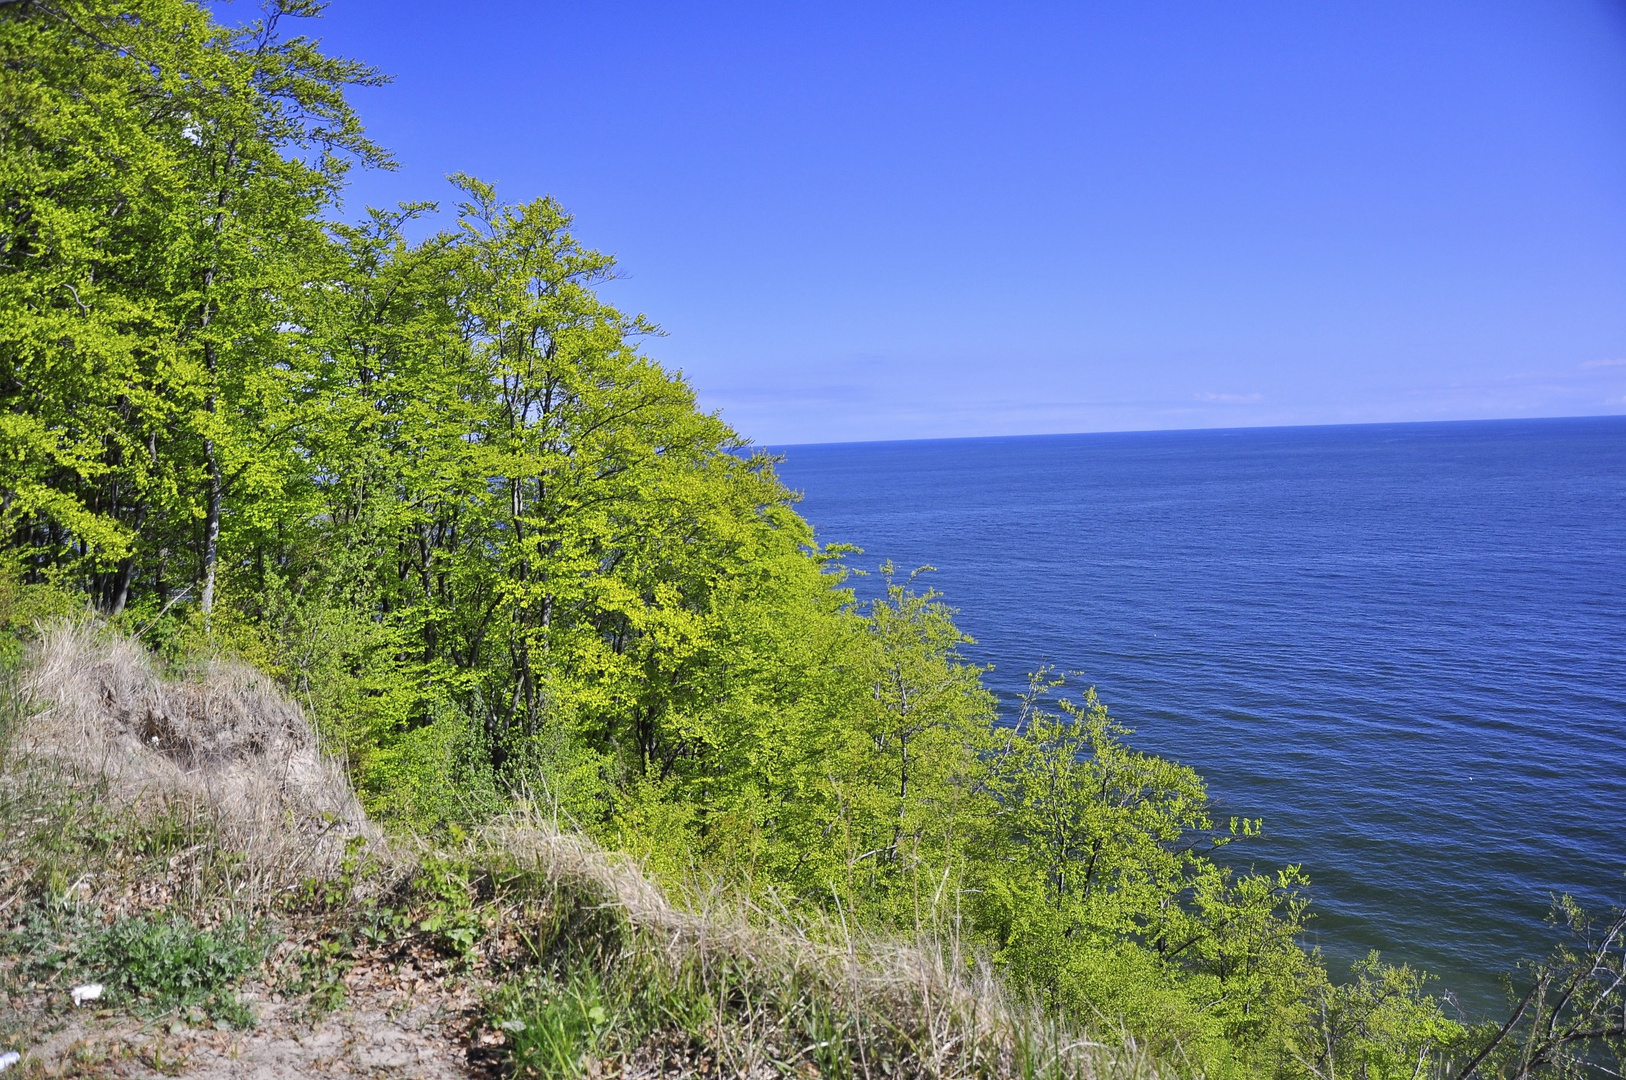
column 1383, row 1025
column 1110, row 898
column 23, row 605
column 160, row 177
column 524, row 543
column 907, row 804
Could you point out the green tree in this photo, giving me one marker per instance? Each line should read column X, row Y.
column 910, row 799
column 161, row 179
column 1108, row 869
column 1571, row 1021
column 518, row 535
column 1381, row 1025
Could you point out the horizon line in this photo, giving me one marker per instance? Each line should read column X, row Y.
column 775, row 446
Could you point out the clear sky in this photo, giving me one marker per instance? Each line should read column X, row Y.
column 898, row 220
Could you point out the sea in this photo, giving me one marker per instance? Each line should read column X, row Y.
column 1401, row 645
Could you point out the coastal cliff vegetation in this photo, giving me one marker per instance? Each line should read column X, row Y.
column 412, row 468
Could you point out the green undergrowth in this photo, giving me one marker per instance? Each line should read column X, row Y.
column 582, row 967
column 591, row 985
column 146, row 897
column 151, row 965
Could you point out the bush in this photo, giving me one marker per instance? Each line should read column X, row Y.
column 23, row 605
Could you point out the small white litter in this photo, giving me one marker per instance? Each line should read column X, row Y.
column 8, row 1059
column 87, row 992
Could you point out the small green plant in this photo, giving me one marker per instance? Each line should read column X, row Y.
column 319, row 971
column 450, row 918
column 149, row 965
column 170, row 965
column 555, row 1029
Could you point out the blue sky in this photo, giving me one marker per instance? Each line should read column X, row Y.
column 897, row 220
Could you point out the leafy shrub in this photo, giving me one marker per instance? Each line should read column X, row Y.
column 23, row 605
column 1381, row 1024
column 451, row 918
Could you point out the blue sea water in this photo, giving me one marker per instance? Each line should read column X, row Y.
column 1402, row 645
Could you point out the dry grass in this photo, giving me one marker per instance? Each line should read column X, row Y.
column 713, row 984
column 223, row 744
column 779, row 986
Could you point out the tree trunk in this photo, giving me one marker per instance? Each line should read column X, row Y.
column 211, row 361
column 211, row 523
column 121, row 588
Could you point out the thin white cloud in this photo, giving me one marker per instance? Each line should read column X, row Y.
column 1230, row 399
column 1604, row 363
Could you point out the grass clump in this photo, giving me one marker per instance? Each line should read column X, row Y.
column 688, row 1013
column 151, row 965
column 557, row 1030
column 613, row 975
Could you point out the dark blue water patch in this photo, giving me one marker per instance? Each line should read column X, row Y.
column 1403, row 645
